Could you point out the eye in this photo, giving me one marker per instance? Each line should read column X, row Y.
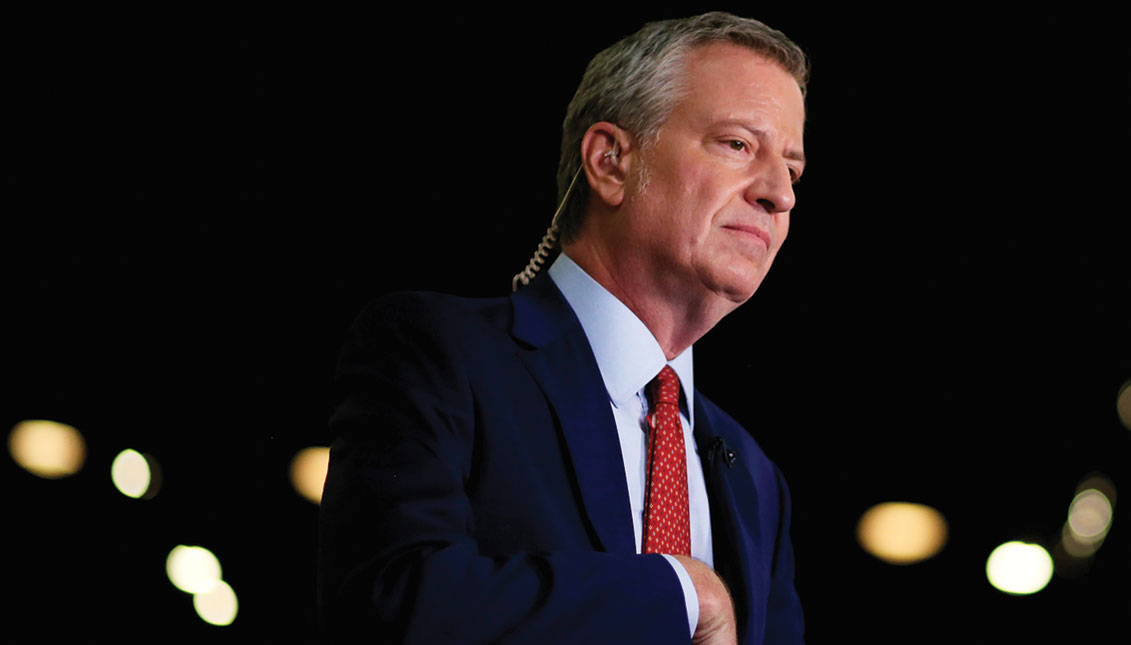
column 736, row 145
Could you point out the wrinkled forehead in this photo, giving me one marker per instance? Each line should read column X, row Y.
column 712, row 47
column 726, row 81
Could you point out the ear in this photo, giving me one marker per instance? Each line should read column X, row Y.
column 605, row 155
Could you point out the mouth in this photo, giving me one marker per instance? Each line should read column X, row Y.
column 749, row 231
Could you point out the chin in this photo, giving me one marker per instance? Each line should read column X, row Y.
column 733, row 278
column 739, row 297
column 739, row 286
column 738, row 292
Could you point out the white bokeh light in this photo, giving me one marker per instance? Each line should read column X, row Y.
column 192, row 569
column 1019, row 568
column 130, row 473
column 218, row 606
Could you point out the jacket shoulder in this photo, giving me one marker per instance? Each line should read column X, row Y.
column 724, row 425
column 429, row 308
column 738, row 438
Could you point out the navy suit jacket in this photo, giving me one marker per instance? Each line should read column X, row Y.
column 476, row 491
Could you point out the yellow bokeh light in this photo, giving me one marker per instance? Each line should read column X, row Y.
column 1089, row 516
column 48, row 449
column 130, row 473
column 217, row 606
column 1123, row 405
column 308, row 472
column 1019, row 568
column 192, row 569
column 901, row 532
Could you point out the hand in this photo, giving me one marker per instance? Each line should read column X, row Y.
column 716, row 608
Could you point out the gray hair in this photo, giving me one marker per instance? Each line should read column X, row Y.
column 637, row 82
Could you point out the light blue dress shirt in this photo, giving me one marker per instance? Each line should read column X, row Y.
column 629, row 357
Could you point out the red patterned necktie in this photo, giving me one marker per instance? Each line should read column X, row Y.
column 666, row 520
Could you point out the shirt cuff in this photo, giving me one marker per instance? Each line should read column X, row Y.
column 690, row 596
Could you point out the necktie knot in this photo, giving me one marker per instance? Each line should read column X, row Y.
column 665, row 387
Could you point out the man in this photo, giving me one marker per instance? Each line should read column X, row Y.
column 501, row 472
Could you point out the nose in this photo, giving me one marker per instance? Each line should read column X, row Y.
column 772, row 187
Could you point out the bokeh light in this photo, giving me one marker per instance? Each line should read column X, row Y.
column 218, row 606
column 131, row 474
column 1074, row 546
column 1089, row 519
column 308, row 472
column 192, row 569
column 1100, row 482
column 902, row 532
column 46, row 448
column 1019, row 568
column 1070, row 558
column 1123, row 405
column 1089, row 516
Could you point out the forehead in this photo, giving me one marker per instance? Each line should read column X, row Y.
column 723, row 80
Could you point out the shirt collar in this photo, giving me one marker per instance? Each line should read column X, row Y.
column 627, row 353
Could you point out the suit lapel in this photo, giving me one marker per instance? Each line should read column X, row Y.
column 734, row 518
column 562, row 363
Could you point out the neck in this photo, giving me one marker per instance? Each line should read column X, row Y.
column 676, row 320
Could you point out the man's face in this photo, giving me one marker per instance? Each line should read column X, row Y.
column 710, row 208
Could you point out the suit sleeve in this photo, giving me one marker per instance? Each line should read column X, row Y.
column 398, row 561
column 784, row 618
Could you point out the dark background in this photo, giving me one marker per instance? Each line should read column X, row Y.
column 198, row 204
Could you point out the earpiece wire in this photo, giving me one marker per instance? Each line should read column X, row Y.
column 547, row 243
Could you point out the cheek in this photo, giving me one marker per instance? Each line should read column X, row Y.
column 781, row 223
column 705, row 203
